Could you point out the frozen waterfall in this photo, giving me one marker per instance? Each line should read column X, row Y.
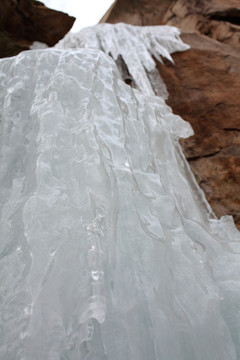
column 108, row 248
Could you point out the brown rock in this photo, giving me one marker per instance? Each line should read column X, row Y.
column 25, row 21
column 203, row 86
column 137, row 12
column 218, row 19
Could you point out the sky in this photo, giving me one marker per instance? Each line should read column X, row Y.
column 86, row 12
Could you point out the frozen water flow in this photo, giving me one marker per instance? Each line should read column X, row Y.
column 135, row 44
column 108, row 248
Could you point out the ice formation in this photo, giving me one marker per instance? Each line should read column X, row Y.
column 135, row 45
column 108, row 249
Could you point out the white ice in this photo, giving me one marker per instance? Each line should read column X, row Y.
column 108, row 248
column 136, row 45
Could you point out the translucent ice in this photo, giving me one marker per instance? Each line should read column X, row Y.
column 108, row 249
column 135, row 45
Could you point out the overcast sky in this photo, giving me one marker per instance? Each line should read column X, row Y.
column 86, row 12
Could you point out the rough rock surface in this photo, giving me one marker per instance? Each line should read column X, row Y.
column 203, row 86
column 24, row 21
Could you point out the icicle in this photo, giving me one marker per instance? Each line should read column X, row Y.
column 136, row 45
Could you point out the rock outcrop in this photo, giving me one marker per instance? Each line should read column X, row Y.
column 203, row 86
column 24, row 21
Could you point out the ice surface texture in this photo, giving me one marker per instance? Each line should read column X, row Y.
column 135, row 45
column 107, row 250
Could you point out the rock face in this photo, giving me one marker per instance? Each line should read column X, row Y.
column 203, row 86
column 25, row 21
